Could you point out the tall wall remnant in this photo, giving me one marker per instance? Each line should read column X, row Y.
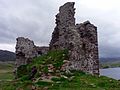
column 64, row 21
column 80, row 40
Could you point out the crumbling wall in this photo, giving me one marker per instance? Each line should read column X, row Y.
column 80, row 40
column 64, row 21
column 88, row 36
column 25, row 51
column 42, row 50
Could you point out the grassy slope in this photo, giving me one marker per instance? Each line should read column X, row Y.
column 6, row 71
column 75, row 80
column 80, row 81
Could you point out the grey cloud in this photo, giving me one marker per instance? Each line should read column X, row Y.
column 35, row 19
column 108, row 30
column 108, row 43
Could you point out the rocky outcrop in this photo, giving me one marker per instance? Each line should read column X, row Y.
column 80, row 40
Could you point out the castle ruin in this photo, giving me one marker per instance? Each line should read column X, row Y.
column 79, row 39
column 26, row 51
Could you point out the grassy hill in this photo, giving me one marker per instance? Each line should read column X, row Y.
column 50, row 76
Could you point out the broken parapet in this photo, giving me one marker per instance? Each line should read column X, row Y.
column 80, row 40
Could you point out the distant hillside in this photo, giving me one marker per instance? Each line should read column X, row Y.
column 7, row 55
column 110, row 60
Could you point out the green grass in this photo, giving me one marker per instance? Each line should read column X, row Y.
column 75, row 80
column 6, row 71
column 6, row 76
column 80, row 81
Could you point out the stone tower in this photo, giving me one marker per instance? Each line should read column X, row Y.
column 79, row 39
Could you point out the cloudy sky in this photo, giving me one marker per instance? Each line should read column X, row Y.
column 35, row 19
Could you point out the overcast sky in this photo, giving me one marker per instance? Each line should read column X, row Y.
column 35, row 19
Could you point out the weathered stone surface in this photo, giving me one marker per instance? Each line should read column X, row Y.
column 88, row 35
column 42, row 50
column 80, row 40
column 25, row 51
column 64, row 20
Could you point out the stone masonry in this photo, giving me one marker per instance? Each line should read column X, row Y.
column 79, row 39
column 42, row 50
column 26, row 51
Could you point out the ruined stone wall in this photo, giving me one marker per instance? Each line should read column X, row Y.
column 88, row 36
column 42, row 50
column 80, row 40
column 26, row 51
column 64, row 21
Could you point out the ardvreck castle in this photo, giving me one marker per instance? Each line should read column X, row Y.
column 79, row 39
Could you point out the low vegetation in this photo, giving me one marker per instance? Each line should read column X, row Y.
column 45, row 73
column 6, row 71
